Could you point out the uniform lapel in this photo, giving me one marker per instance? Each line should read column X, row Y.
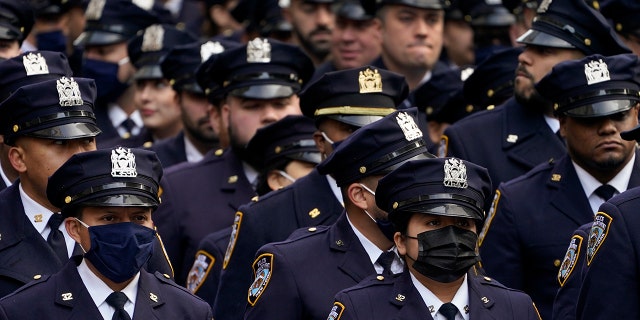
column 406, row 297
column 569, row 198
column 634, row 180
column 320, row 209
column 481, row 301
column 235, row 182
column 73, row 295
column 354, row 262
column 149, row 299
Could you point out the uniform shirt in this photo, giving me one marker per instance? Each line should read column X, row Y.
column 251, row 174
column 99, row 291
column 553, row 123
column 193, row 155
column 6, row 180
column 590, row 184
column 117, row 115
column 39, row 217
column 374, row 252
column 460, row 300
column 334, row 188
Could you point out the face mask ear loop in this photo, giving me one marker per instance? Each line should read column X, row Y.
column 286, row 176
column 326, row 138
column 86, row 226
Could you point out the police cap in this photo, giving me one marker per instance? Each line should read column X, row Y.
column 439, row 186
column 491, row 82
column 433, row 96
column 376, row 148
column 118, row 177
column 421, row 4
column 181, row 65
column 351, row 9
column 595, row 86
column 16, row 20
column 31, row 67
column 623, row 15
column 356, row 96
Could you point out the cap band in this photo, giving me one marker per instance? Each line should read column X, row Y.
column 58, row 115
column 109, row 186
column 292, row 77
column 604, row 92
column 395, row 154
column 354, row 110
column 562, row 26
column 296, row 144
column 436, row 196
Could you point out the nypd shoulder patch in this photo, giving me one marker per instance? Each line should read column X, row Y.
column 199, row 271
column 336, row 311
column 490, row 216
column 443, row 147
column 599, row 231
column 570, row 258
column 232, row 239
column 262, row 269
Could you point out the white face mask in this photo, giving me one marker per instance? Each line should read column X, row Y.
column 324, row 135
column 286, row 176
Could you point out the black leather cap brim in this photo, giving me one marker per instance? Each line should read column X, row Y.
column 67, row 131
column 148, row 72
column 264, row 91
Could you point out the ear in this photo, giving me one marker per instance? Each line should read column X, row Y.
column 320, row 143
column 357, row 196
column 16, row 157
column 399, row 239
column 273, row 180
column 73, row 229
column 286, row 14
column 563, row 124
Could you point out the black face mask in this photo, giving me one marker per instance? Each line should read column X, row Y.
column 446, row 254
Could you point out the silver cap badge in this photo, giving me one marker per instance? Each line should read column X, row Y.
column 68, row 92
column 123, row 163
column 596, row 71
column 258, row 51
column 408, row 126
column 152, row 38
column 210, row 48
column 35, row 63
column 455, row 174
column 94, row 9
column 544, row 6
column 144, row 4
column 370, row 81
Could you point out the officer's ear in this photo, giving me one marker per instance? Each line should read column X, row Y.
column 399, row 240
column 563, row 124
column 16, row 158
column 321, row 143
column 273, row 180
column 357, row 195
column 73, row 228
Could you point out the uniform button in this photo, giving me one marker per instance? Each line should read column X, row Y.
column 312, row 229
column 37, row 276
column 380, row 278
column 556, row 263
column 167, row 276
column 487, row 278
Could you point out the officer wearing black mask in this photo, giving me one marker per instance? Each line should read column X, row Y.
column 436, row 206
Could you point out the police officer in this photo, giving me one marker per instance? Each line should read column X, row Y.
column 315, row 199
column 153, row 96
column 260, row 81
column 512, row 139
column 283, row 152
column 26, row 68
column 106, row 197
column 355, row 40
column 621, row 15
column 198, row 135
column 356, row 245
column 437, row 208
column 312, row 22
column 15, row 24
column 457, row 37
column 533, row 216
column 610, row 285
column 110, row 24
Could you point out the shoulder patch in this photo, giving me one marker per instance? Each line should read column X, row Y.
column 336, row 311
column 570, row 259
column 490, row 216
column 262, row 269
column 443, row 147
column 599, row 232
column 232, row 239
column 200, row 270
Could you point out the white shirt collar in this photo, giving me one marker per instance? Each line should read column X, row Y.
column 460, row 300
column 39, row 218
column 427, row 77
column 5, row 178
column 374, row 252
column 553, row 123
column 173, row 6
column 193, row 155
column 99, row 291
column 335, row 189
column 250, row 173
column 590, row 184
column 117, row 115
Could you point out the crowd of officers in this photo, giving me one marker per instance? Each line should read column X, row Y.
column 319, row 159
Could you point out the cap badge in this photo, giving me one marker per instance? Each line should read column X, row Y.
column 408, row 126
column 94, row 9
column 152, row 38
column 34, row 63
column 258, row 51
column 123, row 163
column 68, row 92
column 544, row 6
column 144, row 4
column 370, row 81
column 210, row 48
column 455, row 174
column 596, row 71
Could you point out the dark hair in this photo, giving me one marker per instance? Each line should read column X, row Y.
column 262, row 187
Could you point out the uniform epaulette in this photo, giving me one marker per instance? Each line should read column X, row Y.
column 219, row 152
column 37, row 279
column 307, row 232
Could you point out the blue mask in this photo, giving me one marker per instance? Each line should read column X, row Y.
column 52, row 41
column 105, row 75
column 119, row 250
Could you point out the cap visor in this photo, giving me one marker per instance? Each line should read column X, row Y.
column 447, row 209
column 538, row 38
column 311, row 157
column 68, row 131
column 7, row 33
column 148, row 72
column 357, row 121
column 600, row 109
column 265, row 91
column 98, row 38
column 121, row 200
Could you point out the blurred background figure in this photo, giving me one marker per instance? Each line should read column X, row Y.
column 16, row 21
column 457, row 41
column 623, row 17
column 312, row 22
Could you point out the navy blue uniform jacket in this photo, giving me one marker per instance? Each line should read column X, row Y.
column 24, row 253
column 526, row 236
column 307, row 271
column 508, row 140
column 307, row 202
column 611, row 284
column 396, row 298
column 198, row 199
column 64, row 296
column 171, row 151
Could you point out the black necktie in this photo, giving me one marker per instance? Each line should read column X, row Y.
column 117, row 300
column 56, row 238
column 605, row 192
column 128, row 125
column 385, row 260
column 448, row 310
